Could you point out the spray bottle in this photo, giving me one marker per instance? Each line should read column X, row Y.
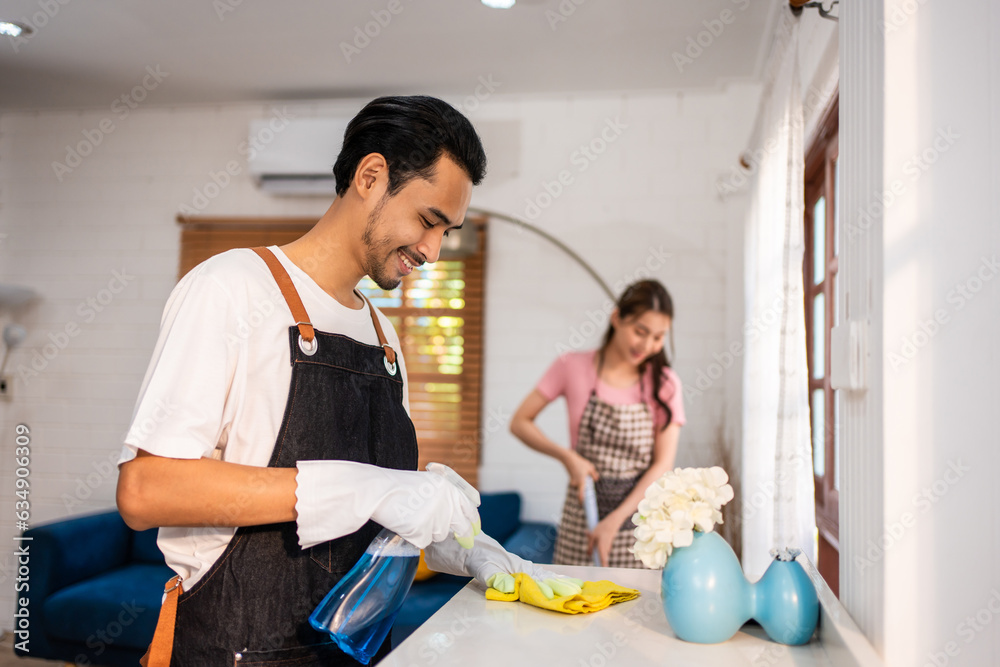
column 590, row 510
column 358, row 612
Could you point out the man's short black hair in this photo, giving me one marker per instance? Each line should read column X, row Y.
column 411, row 132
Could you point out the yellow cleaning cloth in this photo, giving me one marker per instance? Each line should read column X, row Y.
column 595, row 596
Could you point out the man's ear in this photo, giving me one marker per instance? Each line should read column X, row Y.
column 371, row 178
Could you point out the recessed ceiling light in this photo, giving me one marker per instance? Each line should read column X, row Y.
column 14, row 29
column 499, row 4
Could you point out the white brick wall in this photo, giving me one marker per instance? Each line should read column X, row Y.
column 653, row 186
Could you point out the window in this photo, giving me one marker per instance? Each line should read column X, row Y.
column 820, row 282
column 437, row 312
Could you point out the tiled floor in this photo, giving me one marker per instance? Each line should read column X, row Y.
column 9, row 659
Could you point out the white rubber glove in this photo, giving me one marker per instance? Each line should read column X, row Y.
column 335, row 498
column 489, row 563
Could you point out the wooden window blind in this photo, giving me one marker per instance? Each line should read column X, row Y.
column 438, row 314
column 202, row 238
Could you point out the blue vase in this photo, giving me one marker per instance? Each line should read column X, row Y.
column 786, row 605
column 705, row 595
column 707, row 599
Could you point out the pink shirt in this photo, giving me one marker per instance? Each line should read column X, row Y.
column 574, row 374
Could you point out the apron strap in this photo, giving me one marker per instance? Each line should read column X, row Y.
column 299, row 311
column 159, row 652
column 289, row 292
column 390, row 354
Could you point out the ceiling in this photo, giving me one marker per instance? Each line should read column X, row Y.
column 88, row 53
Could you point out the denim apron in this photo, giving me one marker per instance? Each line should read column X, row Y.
column 345, row 403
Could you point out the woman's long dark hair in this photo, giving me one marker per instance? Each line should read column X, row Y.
column 637, row 299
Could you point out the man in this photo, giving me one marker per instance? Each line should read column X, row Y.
column 283, row 441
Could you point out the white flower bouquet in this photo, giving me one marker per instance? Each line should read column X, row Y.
column 680, row 502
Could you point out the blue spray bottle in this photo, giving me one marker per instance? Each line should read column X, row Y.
column 358, row 612
column 590, row 510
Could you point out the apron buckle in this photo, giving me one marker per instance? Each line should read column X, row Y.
column 389, row 365
column 310, row 348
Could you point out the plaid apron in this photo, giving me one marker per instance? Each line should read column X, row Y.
column 618, row 440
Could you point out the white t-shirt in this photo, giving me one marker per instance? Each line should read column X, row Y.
column 218, row 380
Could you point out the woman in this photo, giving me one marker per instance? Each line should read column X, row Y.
column 625, row 413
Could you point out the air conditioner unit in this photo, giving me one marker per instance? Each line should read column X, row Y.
column 294, row 157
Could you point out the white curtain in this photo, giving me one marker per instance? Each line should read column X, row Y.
column 778, row 506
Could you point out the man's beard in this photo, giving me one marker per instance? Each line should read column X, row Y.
column 377, row 251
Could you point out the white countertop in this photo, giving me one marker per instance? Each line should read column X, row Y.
column 473, row 631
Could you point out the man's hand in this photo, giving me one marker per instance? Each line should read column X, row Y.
column 336, row 498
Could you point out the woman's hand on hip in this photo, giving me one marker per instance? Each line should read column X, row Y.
column 579, row 469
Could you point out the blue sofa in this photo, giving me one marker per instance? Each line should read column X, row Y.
column 95, row 589
column 95, row 584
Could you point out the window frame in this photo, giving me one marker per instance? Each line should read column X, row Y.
column 820, row 182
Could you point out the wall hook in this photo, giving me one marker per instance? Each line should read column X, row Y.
column 825, row 13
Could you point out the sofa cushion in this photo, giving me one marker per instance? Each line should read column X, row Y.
column 533, row 541
column 119, row 607
column 69, row 551
column 144, row 549
column 500, row 514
